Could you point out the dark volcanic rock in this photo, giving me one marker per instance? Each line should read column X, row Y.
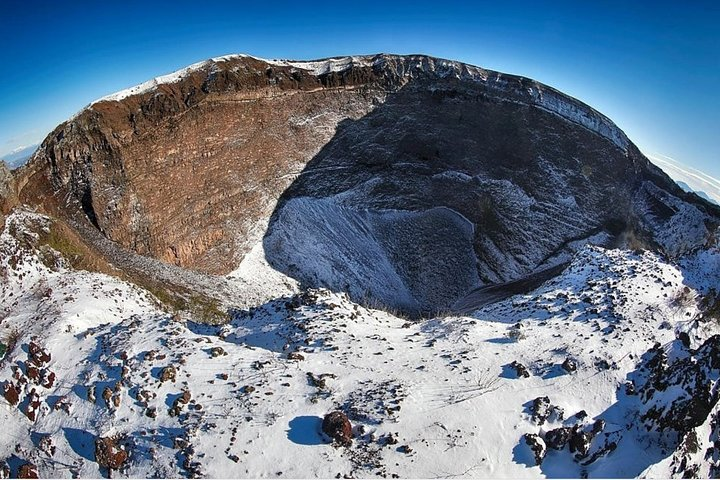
column 541, row 410
column 579, row 442
column 168, row 373
column 537, row 446
column 109, row 453
column 680, row 396
column 520, row 369
column 28, row 470
column 337, row 426
column 569, row 365
column 38, row 355
column 558, row 438
column 11, row 393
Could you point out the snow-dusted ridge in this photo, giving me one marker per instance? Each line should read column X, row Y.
column 409, row 66
column 173, row 77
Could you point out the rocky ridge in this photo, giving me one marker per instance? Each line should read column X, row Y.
column 392, row 153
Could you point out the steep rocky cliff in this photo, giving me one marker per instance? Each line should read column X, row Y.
column 405, row 180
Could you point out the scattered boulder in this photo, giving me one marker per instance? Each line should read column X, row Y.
column 608, row 447
column 64, row 404
column 537, row 446
column 149, row 356
column 28, row 470
column 390, row 439
column 11, row 393
column 569, row 365
column 406, row 449
column 319, row 381
column 179, row 402
column 47, row 378
column 598, row 426
column 91, row 394
column 33, row 406
column 38, row 355
column 107, row 396
column 580, row 442
column 168, row 374
column 109, row 453
column 337, row 426
column 295, row 356
column 603, row 364
column 630, row 388
column 180, row 443
column 47, row 445
column 558, row 438
column 542, row 410
column 33, row 373
column 684, row 339
column 217, row 352
column 586, row 444
column 520, row 369
column 144, row 397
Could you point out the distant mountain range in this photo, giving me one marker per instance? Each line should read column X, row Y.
column 699, row 193
column 19, row 156
column 689, row 179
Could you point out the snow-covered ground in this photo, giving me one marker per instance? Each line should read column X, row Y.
column 431, row 398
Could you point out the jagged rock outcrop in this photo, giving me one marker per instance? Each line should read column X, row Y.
column 407, row 181
column 680, row 395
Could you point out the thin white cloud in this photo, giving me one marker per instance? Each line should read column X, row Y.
column 696, row 179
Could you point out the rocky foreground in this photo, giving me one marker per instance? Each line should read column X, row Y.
column 607, row 370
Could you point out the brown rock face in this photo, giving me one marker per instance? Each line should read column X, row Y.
column 187, row 173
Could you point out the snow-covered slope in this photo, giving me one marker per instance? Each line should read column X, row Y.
column 450, row 396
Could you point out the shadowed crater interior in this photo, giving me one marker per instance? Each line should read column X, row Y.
column 444, row 189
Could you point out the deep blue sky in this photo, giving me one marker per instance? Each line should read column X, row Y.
column 654, row 68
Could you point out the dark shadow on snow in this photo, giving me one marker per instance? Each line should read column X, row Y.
column 82, row 442
column 305, row 430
